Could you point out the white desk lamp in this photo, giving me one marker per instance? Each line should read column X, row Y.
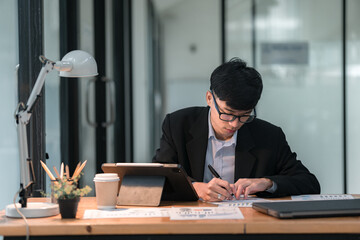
column 74, row 64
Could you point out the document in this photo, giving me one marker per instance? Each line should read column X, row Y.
column 126, row 213
column 196, row 213
column 241, row 202
column 312, row 197
column 183, row 213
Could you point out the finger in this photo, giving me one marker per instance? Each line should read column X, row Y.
column 239, row 188
column 226, row 186
column 218, row 197
column 247, row 191
column 239, row 191
column 223, row 192
column 252, row 188
column 242, row 188
column 220, row 186
column 233, row 188
column 233, row 191
column 215, row 192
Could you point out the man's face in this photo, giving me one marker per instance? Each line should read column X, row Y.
column 223, row 130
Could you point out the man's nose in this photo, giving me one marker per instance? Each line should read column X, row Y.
column 236, row 123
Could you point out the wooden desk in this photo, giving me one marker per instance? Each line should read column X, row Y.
column 255, row 226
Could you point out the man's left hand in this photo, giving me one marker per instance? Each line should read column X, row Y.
column 247, row 186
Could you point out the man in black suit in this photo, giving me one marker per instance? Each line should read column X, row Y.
column 251, row 156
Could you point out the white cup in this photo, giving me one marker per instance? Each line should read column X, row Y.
column 106, row 188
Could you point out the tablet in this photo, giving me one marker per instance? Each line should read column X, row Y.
column 148, row 183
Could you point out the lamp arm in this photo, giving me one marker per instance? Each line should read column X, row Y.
column 35, row 93
column 25, row 162
column 22, row 117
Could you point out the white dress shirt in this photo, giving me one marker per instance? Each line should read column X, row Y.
column 221, row 155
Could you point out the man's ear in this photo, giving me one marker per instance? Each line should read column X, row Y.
column 208, row 98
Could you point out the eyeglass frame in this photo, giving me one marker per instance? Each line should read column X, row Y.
column 249, row 116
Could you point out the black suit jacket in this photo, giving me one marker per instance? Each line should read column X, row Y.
column 261, row 151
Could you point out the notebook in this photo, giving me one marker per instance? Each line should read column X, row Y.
column 304, row 209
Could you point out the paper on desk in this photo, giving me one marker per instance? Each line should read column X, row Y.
column 126, row 213
column 312, row 197
column 196, row 213
column 240, row 203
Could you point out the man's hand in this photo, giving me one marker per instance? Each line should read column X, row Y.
column 215, row 190
column 246, row 186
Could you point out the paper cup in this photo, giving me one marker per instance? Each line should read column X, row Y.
column 106, row 189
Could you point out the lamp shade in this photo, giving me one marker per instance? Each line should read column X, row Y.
column 81, row 63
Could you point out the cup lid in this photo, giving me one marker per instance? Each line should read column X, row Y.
column 106, row 177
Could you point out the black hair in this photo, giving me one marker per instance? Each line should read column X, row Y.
column 238, row 85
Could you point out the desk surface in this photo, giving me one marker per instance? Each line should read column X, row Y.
column 253, row 223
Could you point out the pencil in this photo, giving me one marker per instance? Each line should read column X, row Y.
column 79, row 170
column 47, row 170
column 76, row 169
column 62, row 171
column 56, row 172
column 67, row 172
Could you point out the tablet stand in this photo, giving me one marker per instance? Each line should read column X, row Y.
column 141, row 190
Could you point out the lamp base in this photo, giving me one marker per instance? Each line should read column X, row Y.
column 33, row 210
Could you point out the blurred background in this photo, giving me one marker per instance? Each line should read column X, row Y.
column 156, row 56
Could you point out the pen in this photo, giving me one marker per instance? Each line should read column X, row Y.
column 214, row 172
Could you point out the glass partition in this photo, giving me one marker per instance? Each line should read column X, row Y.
column 52, row 85
column 9, row 159
column 239, row 30
column 187, row 36
column 298, row 51
column 87, row 96
column 353, row 97
column 190, row 34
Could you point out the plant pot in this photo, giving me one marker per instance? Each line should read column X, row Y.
column 68, row 207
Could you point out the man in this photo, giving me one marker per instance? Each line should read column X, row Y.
column 250, row 155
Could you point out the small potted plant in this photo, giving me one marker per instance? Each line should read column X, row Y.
column 68, row 194
column 65, row 189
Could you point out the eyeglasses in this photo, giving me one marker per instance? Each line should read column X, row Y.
column 246, row 118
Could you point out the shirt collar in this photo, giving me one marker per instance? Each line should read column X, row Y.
column 230, row 142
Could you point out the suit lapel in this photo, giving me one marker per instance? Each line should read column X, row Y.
column 244, row 160
column 196, row 147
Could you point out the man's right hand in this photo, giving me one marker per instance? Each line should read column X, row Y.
column 215, row 190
